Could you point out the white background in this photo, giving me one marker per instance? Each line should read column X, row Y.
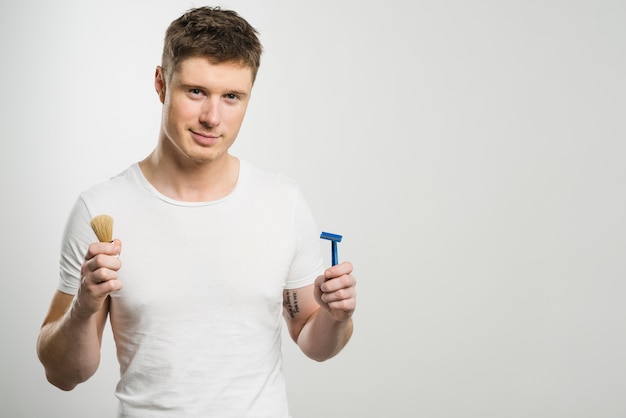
column 471, row 153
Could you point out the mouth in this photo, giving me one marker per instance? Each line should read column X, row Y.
column 205, row 138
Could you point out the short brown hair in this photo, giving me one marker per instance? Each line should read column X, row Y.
column 220, row 35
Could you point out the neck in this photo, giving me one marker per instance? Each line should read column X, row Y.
column 191, row 181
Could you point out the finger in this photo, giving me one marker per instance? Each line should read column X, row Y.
column 341, row 294
column 338, row 270
column 103, row 274
column 108, row 248
column 347, row 306
column 103, row 261
column 341, row 282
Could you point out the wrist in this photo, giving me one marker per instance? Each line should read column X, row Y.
column 77, row 311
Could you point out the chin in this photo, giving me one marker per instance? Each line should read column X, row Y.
column 207, row 157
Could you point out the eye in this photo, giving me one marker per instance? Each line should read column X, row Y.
column 195, row 91
column 231, row 96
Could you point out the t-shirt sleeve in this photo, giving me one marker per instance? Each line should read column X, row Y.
column 77, row 237
column 307, row 263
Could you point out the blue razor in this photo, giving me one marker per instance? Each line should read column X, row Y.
column 334, row 239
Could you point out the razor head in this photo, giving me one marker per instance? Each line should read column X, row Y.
column 331, row 237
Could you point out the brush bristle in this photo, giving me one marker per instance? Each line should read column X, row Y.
column 102, row 225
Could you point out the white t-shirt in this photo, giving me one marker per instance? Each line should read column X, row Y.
column 197, row 323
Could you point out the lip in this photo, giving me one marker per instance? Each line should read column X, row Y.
column 204, row 138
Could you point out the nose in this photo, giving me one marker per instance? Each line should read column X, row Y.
column 210, row 114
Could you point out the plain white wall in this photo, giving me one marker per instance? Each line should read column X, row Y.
column 470, row 152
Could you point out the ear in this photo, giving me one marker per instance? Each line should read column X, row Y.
column 159, row 83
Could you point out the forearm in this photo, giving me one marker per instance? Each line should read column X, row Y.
column 69, row 349
column 323, row 337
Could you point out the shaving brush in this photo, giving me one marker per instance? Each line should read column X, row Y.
column 102, row 225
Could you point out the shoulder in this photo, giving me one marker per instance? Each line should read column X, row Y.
column 122, row 187
column 263, row 175
column 268, row 181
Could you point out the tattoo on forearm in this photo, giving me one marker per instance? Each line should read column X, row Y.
column 290, row 301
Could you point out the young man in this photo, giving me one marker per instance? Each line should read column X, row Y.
column 215, row 252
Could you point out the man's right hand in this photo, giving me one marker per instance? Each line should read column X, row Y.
column 99, row 277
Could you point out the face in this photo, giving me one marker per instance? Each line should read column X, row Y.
column 203, row 107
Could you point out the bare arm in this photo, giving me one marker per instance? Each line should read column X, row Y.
column 70, row 338
column 319, row 316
